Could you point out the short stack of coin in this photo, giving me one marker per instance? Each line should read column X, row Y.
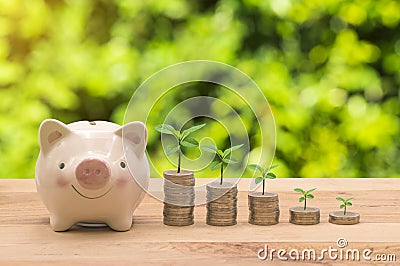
column 338, row 217
column 222, row 204
column 179, row 198
column 263, row 209
column 308, row 216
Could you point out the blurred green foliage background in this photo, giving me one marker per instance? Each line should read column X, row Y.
column 329, row 68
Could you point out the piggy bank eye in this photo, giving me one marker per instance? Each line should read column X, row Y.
column 123, row 165
column 61, row 166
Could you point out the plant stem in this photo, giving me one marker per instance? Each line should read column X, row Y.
column 263, row 186
column 222, row 174
column 344, row 209
column 179, row 159
column 305, row 202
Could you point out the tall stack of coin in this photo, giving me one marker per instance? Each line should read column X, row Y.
column 339, row 217
column 179, row 198
column 308, row 216
column 263, row 209
column 221, row 204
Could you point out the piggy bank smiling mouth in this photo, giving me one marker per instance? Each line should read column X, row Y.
column 86, row 197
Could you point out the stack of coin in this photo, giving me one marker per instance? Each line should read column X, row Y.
column 263, row 209
column 338, row 217
column 308, row 216
column 179, row 198
column 221, row 204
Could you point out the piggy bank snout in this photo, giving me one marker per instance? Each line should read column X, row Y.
column 93, row 174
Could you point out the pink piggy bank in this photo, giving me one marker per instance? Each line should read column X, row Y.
column 82, row 172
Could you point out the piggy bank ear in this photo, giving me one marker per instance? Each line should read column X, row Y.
column 135, row 134
column 50, row 132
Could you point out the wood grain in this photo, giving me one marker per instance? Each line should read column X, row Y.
column 27, row 238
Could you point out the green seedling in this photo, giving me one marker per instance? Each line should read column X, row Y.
column 265, row 173
column 345, row 203
column 182, row 138
column 223, row 158
column 306, row 195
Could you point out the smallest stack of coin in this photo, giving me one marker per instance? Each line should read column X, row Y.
column 339, row 217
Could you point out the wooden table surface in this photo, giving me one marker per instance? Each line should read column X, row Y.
column 26, row 237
